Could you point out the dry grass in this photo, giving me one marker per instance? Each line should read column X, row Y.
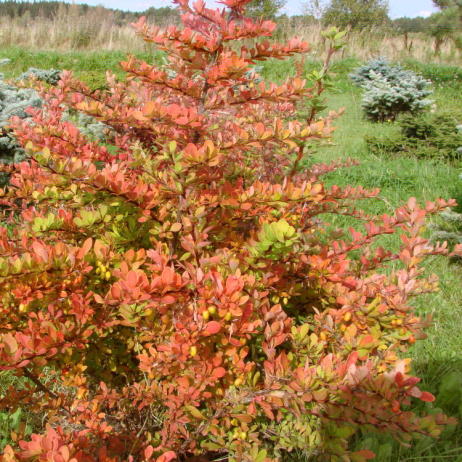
column 98, row 29
column 69, row 30
column 368, row 44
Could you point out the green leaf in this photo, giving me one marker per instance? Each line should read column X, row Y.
column 195, row 412
column 261, row 456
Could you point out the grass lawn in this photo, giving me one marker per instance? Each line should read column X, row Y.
column 438, row 358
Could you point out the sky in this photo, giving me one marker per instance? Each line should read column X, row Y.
column 398, row 8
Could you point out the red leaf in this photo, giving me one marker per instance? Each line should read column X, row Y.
column 219, row 372
column 166, row 457
column 40, row 250
column 11, row 345
column 85, row 248
column 212, row 327
column 148, row 452
column 360, row 456
column 427, row 397
column 367, row 340
column 132, row 279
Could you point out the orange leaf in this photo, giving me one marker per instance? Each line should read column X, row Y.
column 212, row 327
column 85, row 248
column 427, row 397
column 219, row 372
column 166, row 457
column 11, row 345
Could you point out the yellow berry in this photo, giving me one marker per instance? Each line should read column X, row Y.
column 242, row 435
column 347, row 317
column 212, row 309
column 148, row 312
column 107, row 276
column 238, row 382
column 206, row 315
column 22, row 308
column 193, row 351
column 228, row 317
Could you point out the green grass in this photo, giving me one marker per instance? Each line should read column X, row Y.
column 87, row 66
column 399, row 178
column 436, row 359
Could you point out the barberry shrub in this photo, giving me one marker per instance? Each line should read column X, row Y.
column 181, row 293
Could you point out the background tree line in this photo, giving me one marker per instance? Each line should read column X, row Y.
column 361, row 15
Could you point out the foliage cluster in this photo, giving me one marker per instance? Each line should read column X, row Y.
column 390, row 90
column 431, row 135
column 447, row 384
column 15, row 101
column 182, row 293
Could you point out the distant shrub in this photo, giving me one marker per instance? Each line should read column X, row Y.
column 437, row 136
column 390, row 90
column 50, row 76
column 365, row 73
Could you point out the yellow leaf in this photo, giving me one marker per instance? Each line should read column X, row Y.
column 195, row 412
column 175, row 227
